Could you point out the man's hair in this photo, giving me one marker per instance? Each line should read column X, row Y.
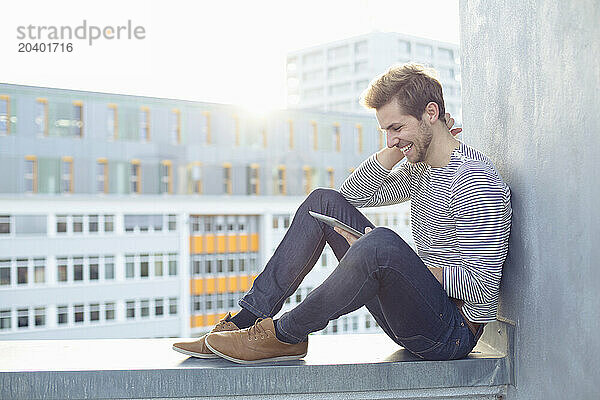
column 411, row 85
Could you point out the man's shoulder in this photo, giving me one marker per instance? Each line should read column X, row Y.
column 473, row 165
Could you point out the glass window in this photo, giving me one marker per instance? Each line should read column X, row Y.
column 158, row 264
column 338, row 53
column 5, row 272
column 445, row 54
column 4, row 224
column 175, row 127
column 4, row 115
column 145, row 308
column 144, row 265
column 135, row 177
column 130, row 308
column 39, row 270
column 361, row 48
column 95, row 312
column 22, row 272
column 172, row 305
column 93, row 224
column 404, row 47
column 172, row 222
column 41, row 117
column 102, row 176
column 109, row 311
column 159, row 307
column 195, row 181
column 129, row 267
column 172, row 264
column 227, row 184
column 30, row 174
column 22, row 317
column 112, row 122
column 253, row 180
column 281, row 182
column 63, row 315
column 242, row 264
column 78, row 268
column 5, row 319
column 166, row 177
column 66, row 176
column 307, row 179
column 424, row 50
column 197, row 303
column 361, row 66
column 144, row 124
column 78, row 316
column 61, row 269
column 109, row 223
column 77, row 122
column 109, row 267
column 94, row 268
column 77, row 223
column 61, row 223
column 230, row 265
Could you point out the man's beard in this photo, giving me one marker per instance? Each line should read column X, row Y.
column 422, row 145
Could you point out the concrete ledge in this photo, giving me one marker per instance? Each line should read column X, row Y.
column 341, row 366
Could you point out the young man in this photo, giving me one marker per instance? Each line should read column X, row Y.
column 435, row 302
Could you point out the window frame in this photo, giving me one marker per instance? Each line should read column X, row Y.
column 69, row 161
column 115, row 127
column 145, row 111
column 168, row 167
column 227, row 178
column 79, row 103
column 135, row 165
column 6, row 98
column 102, row 161
column 44, row 102
column 34, row 173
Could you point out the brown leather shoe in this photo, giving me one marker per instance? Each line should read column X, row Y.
column 198, row 347
column 255, row 344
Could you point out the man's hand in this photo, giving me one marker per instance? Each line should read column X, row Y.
column 450, row 124
column 350, row 238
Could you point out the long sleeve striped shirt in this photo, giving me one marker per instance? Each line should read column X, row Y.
column 460, row 214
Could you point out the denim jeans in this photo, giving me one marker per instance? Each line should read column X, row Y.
column 379, row 271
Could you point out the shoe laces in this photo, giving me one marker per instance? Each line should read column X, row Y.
column 257, row 330
column 221, row 325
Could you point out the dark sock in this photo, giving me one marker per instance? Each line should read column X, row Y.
column 243, row 319
column 279, row 335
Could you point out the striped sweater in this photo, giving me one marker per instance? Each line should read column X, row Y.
column 460, row 214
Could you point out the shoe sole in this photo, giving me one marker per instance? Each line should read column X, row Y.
column 239, row 361
column 197, row 355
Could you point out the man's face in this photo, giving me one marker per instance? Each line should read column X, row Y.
column 410, row 135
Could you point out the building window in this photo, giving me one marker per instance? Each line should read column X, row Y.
column 78, row 269
column 94, row 268
column 236, row 129
column 109, row 224
column 22, row 317
column 102, row 175
column 4, row 115
column 291, row 133
column 77, row 223
column 158, row 264
column 280, row 184
column 5, row 272
column 175, row 131
column 307, row 178
column 39, row 316
column 41, row 116
column 195, row 178
column 129, row 267
column 61, row 269
column 253, row 179
column 359, row 139
column 446, row 54
column 144, row 265
column 166, row 177
column 315, row 135
column 39, row 270
column 404, row 47
column 172, row 222
column 94, row 312
column 227, row 181
column 263, row 133
column 61, row 224
column 173, row 305
column 4, row 224
column 109, row 267
column 130, row 307
column 136, row 177
column 66, row 176
column 172, row 264
column 206, row 127
column 109, row 311
column 5, row 319
column 145, row 308
column 30, row 174
column 145, row 124
column 78, row 118
column 78, row 316
column 424, row 50
column 93, row 224
column 337, row 138
column 62, row 315
column 159, row 307
column 330, row 178
column 112, row 122
column 22, row 272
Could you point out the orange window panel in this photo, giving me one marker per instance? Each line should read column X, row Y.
column 232, row 284
column 222, row 284
column 210, row 285
column 254, row 242
column 196, row 321
column 221, row 316
column 232, row 246
column 210, row 243
column 210, row 319
column 221, row 244
column 196, row 286
column 243, row 243
column 245, row 282
column 196, row 244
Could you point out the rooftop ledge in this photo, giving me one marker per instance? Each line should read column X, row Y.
column 336, row 367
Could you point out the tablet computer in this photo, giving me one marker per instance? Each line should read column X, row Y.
column 334, row 222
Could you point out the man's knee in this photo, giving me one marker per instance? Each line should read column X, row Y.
column 324, row 195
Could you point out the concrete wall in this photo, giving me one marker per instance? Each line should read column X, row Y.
column 531, row 84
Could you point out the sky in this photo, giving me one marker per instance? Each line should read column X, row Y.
column 218, row 51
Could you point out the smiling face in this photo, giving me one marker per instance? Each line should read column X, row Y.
column 410, row 135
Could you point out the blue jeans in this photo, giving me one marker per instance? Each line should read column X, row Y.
column 379, row 271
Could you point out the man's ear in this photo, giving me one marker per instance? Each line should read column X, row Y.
column 432, row 112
